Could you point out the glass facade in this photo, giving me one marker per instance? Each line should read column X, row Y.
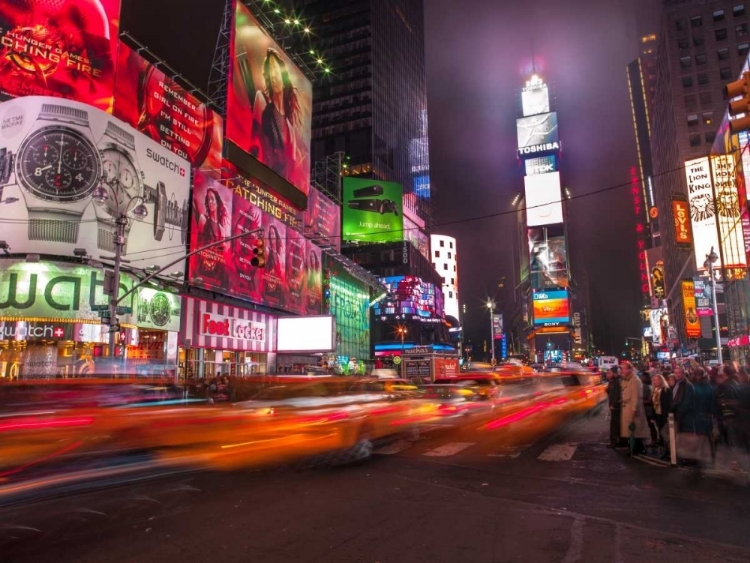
column 348, row 300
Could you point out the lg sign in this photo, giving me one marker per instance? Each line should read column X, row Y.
column 227, row 327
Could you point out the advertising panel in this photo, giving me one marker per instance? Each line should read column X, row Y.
column 410, row 298
column 551, row 308
column 658, row 321
column 683, row 230
column 497, row 326
column 305, row 334
column 703, row 301
column 373, row 210
column 743, row 182
column 702, row 217
column 291, row 279
column 692, row 322
column 269, row 102
column 658, row 287
column 548, row 257
column 322, row 219
column 75, row 169
column 63, row 49
column 728, row 211
column 543, row 199
column 535, row 99
column 348, row 300
column 537, row 133
column 157, row 106
column 540, row 165
column 418, row 238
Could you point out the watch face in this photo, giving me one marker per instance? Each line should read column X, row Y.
column 160, row 309
column 120, row 179
column 58, row 163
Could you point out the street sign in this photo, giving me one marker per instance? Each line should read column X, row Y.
column 100, row 307
column 120, row 311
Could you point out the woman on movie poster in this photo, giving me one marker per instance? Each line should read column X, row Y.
column 214, row 217
column 314, row 280
column 296, row 270
column 274, row 283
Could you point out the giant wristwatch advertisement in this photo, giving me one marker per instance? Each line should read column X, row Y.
column 68, row 171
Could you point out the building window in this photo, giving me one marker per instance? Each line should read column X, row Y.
column 710, row 136
column 699, row 40
column 680, row 24
column 742, row 49
column 445, row 266
column 450, row 244
column 708, row 117
column 450, row 255
column 692, row 119
column 741, row 29
column 738, row 10
column 687, row 81
column 442, row 243
column 725, row 73
column 685, row 62
column 701, row 59
column 723, row 53
column 696, row 21
column 703, row 78
column 437, row 254
column 454, row 268
column 721, row 34
column 453, row 281
column 690, row 103
column 718, row 15
column 695, row 140
column 705, row 98
column 683, row 43
column 450, row 295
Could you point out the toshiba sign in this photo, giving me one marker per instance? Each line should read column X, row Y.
column 228, row 327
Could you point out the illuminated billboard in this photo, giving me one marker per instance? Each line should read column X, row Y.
column 291, row 279
column 269, row 102
column 535, row 98
column 537, row 133
column 543, row 199
column 548, row 258
column 75, row 169
column 373, row 210
column 348, row 299
column 683, row 231
column 658, row 321
column 157, row 106
column 692, row 321
column 60, row 49
column 540, row 165
column 702, row 216
column 306, row 334
column 410, row 298
column 322, row 219
column 703, row 300
column 728, row 211
column 551, row 308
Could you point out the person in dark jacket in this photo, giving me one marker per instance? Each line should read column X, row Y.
column 728, row 394
column 614, row 394
column 661, row 401
column 648, row 406
column 704, row 406
column 683, row 398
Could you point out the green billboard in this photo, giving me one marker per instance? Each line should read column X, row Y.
column 373, row 210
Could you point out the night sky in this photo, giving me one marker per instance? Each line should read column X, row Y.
column 478, row 57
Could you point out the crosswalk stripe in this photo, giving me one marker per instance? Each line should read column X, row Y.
column 511, row 452
column 393, row 448
column 449, row 449
column 558, row 452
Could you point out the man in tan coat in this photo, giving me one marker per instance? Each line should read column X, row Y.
column 633, row 411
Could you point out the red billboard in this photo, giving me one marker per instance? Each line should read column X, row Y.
column 65, row 49
column 159, row 107
column 269, row 102
column 322, row 219
column 292, row 277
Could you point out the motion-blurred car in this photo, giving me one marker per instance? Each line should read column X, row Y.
column 452, row 403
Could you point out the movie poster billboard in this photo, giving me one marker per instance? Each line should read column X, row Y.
column 63, row 49
column 373, row 210
column 322, row 219
column 548, row 257
column 269, row 102
column 70, row 170
column 702, row 209
column 157, row 106
column 291, row 279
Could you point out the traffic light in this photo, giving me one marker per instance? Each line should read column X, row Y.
column 259, row 252
column 740, row 87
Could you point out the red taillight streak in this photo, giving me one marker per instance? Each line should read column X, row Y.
column 38, row 461
column 40, row 424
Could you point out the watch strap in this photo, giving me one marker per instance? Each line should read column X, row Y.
column 120, row 135
column 105, row 240
column 53, row 230
column 55, row 112
column 6, row 166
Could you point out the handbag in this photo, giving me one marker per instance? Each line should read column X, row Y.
column 694, row 447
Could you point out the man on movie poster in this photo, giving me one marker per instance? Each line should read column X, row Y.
column 62, row 48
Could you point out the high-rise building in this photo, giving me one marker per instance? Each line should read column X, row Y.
column 373, row 104
column 701, row 47
column 445, row 260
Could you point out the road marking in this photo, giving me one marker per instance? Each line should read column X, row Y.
column 393, row 448
column 449, row 449
column 576, row 542
column 511, row 452
column 558, row 452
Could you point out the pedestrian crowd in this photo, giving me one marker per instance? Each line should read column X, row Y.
column 710, row 408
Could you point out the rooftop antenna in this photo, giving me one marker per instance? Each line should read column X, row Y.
column 533, row 57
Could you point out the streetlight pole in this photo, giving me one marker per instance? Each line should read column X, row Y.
column 491, row 307
column 711, row 259
column 121, row 223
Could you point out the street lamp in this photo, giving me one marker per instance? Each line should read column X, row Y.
column 402, row 330
column 711, row 259
column 491, row 307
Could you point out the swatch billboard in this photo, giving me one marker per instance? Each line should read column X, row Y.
column 291, row 279
column 62, row 49
column 159, row 107
column 70, row 170
column 551, row 308
column 269, row 102
column 373, row 210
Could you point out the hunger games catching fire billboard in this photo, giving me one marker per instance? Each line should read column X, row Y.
column 269, row 102
column 61, row 48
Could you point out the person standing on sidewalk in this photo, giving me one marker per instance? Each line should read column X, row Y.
column 661, row 399
column 633, row 417
column 683, row 399
column 615, row 403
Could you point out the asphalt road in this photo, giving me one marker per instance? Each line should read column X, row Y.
column 543, row 489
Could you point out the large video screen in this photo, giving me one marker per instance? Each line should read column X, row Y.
column 64, row 49
column 535, row 100
column 410, row 298
column 322, row 219
column 543, row 199
column 537, row 130
column 75, row 170
column 373, row 210
column 269, row 102
column 156, row 105
column 292, row 277
column 548, row 257
column 551, row 308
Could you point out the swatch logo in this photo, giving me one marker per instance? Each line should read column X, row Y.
column 166, row 162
